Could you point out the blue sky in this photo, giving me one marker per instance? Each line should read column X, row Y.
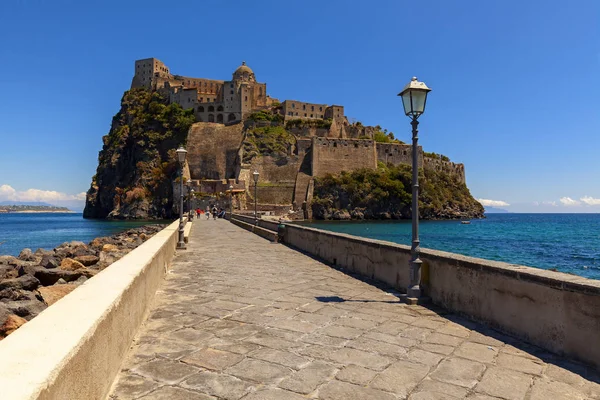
column 515, row 84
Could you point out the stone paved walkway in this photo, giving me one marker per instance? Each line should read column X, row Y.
column 241, row 318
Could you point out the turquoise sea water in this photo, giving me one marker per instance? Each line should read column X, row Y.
column 567, row 242
column 48, row 230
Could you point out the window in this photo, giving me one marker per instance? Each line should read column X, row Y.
column 311, row 115
column 293, row 105
column 211, row 118
column 231, row 85
column 220, row 108
column 304, row 106
column 245, row 98
column 200, row 109
column 231, row 92
column 231, row 117
column 320, row 108
column 220, row 118
column 312, row 108
column 305, row 114
column 296, row 113
column 211, row 109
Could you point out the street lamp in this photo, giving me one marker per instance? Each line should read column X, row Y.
column 414, row 97
column 255, row 176
column 190, row 195
column 230, row 201
column 181, row 154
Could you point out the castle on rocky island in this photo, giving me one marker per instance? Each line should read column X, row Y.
column 224, row 102
column 324, row 142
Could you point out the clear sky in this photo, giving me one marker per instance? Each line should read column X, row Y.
column 515, row 83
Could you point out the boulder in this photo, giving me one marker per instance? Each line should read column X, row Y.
column 61, row 281
column 25, row 308
column 16, row 294
column 51, row 294
column 49, row 261
column 8, row 260
column 110, row 247
column 26, row 255
column 24, row 282
column 69, row 264
column 8, row 272
column 10, row 324
column 49, row 277
column 87, row 260
column 79, row 280
column 43, row 252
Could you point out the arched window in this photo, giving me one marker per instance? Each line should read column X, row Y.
column 220, row 108
column 220, row 118
column 211, row 109
column 200, row 119
column 231, row 117
column 200, row 109
column 211, row 118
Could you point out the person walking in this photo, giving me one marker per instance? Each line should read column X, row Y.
column 207, row 213
column 214, row 212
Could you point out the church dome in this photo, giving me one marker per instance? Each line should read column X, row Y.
column 244, row 73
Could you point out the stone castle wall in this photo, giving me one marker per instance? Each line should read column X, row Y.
column 332, row 156
column 450, row 168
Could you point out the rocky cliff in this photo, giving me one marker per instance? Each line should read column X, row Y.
column 386, row 193
column 136, row 165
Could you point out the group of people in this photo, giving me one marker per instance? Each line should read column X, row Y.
column 216, row 213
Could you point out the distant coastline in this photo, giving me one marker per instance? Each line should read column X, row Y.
column 38, row 211
column 31, row 208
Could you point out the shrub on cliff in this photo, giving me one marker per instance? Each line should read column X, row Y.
column 272, row 141
column 386, row 193
column 137, row 162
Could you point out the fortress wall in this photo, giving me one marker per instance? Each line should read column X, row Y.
column 280, row 194
column 458, row 170
column 213, row 150
column 275, row 170
column 336, row 155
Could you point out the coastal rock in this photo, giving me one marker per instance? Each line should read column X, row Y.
column 16, row 294
column 43, row 252
column 109, row 257
column 25, row 308
column 87, row 260
column 8, row 272
column 69, row 264
column 26, row 255
column 8, row 260
column 51, row 294
column 25, row 282
column 49, row 277
column 341, row 215
column 49, row 261
column 9, row 324
column 110, row 247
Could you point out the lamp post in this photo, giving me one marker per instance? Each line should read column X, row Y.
column 230, row 201
column 190, row 194
column 255, row 176
column 414, row 97
column 181, row 154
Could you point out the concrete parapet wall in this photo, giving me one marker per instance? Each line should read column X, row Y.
column 74, row 349
column 262, row 232
column 556, row 311
column 270, row 225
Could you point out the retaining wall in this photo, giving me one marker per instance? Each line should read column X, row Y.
column 74, row 349
column 556, row 311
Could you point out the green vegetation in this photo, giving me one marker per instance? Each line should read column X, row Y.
column 272, row 141
column 308, row 123
column 383, row 136
column 265, row 116
column 137, row 163
column 386, row 193
column 435, row 155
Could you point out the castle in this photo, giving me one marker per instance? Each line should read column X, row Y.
column 325, row 142
column 224, row 102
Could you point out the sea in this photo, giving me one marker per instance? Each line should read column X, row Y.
column 48, row 230
column 566, row 242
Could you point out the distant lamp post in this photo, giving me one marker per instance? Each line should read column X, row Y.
column 414, row 97
column 255, row 176
column 230, row 201
column 181, row 154
column 190, row 195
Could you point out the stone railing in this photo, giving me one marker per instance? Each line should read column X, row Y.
column 556, row 311
column 74, row 349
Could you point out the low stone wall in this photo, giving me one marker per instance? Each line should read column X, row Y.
column 556, row 311
column 262, row 232
column 74, row 349
column 270, row 225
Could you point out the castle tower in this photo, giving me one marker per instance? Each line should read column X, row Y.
column 148, row 71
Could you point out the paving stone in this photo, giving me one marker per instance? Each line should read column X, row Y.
column 386, row 349
column 239, row 347
column 357, row 375
column 504, row 383
column 361, row 358
column 432, row 388
column 308, row 378
column 391, row 327
column 131, row 386
column 544, row 389
column 174, row 393
column 446, row 340
column 453, row 329
column 558, row 373
column 258, row 371
column 165, row 371
column 294, row 325
column 190, row 335
column 517, row 363
column 316, row 319
column 271, row 341
column 432, row 324
column 325, row 340
column 343, row 332
column 337, row 390
column 213, row 359
column 458, row 371
column 477, row 352
column 437, row 348
column 280, row 357
column 400, row 378
column 355, row 322
column 317, row 351
column 397, row 340
column 218, row 385
column 478, row 337
column 424, row 357
column 274, row 394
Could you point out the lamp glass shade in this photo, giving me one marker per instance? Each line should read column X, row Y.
column 414, row 98
column 181, row 154
column 255, row 175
